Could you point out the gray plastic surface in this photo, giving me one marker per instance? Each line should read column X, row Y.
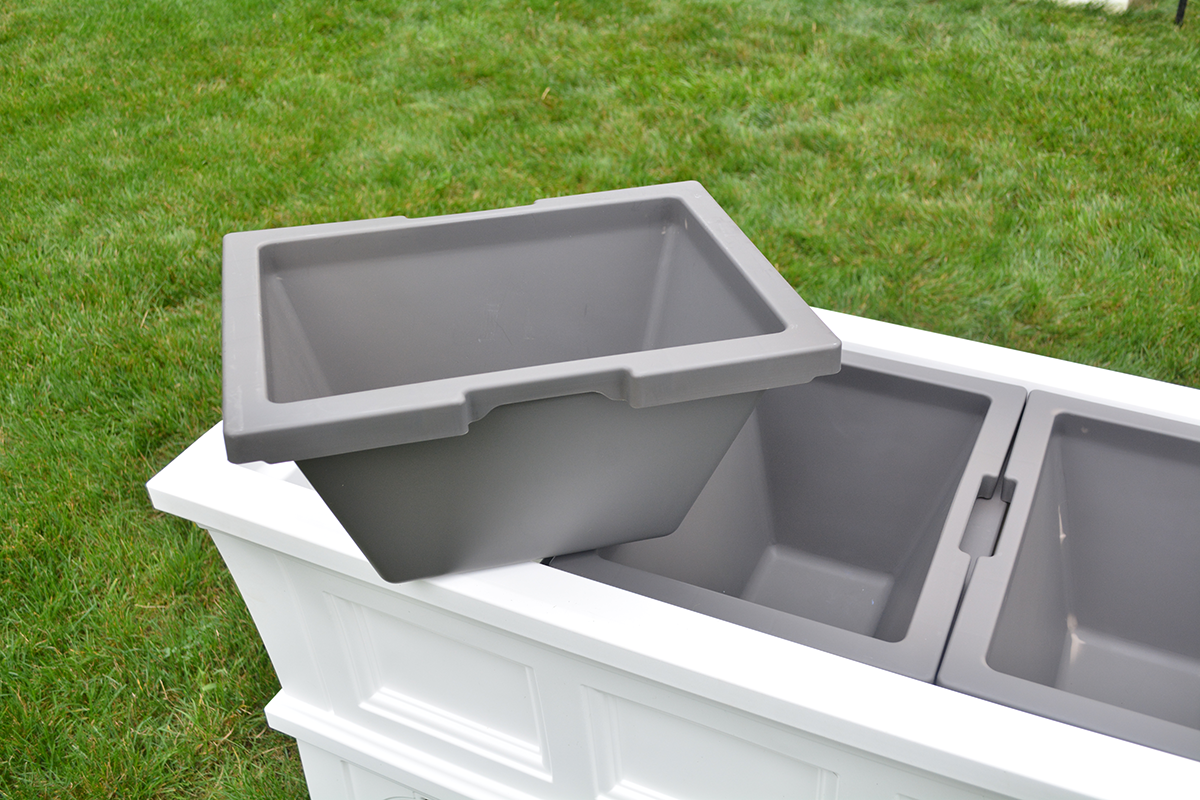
column 838, row 517
column 487, row 388
column 529, row 480
column 1089, row 611
column 348, row 336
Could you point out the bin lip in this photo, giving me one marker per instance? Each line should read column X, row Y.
column 258, row 429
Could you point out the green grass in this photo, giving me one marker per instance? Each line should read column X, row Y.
column 1012, row 172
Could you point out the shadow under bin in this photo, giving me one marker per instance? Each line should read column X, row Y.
column 841, row 516
column 1089, row 612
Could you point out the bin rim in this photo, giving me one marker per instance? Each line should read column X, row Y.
column 259, row 429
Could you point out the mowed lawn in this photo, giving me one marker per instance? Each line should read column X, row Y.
column 1012, row 172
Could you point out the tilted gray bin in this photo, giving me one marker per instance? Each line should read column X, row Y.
column 1089, row 611
column 493, row 387
column 841, row 516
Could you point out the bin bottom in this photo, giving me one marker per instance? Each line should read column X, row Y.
column 821, row 589
column 1131, row 675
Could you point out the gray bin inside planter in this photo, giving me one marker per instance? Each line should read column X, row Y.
column 487, row 388
column 1089, row 612
column 840, row 515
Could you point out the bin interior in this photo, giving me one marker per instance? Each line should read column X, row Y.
column 1104, row 597
column 831, row 502
column 363, row 311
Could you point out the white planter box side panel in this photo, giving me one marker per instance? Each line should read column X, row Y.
column 528, row 682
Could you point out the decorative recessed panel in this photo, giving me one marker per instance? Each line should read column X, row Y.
column 365, row 785
column 642, row 753
column 463, row 695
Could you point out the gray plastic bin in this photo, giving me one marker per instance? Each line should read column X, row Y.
column 840, row 515
column 1089, row 611
column 486, row 388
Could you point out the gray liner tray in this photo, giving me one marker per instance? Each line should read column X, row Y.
column 486, row 388
column 1089, row 611
column 841, row 516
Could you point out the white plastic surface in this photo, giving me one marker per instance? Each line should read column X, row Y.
column 527, row 682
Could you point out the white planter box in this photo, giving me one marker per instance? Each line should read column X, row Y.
column 529, row 682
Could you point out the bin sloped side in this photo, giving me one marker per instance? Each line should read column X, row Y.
column 576, row 472
column 1087, row 612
